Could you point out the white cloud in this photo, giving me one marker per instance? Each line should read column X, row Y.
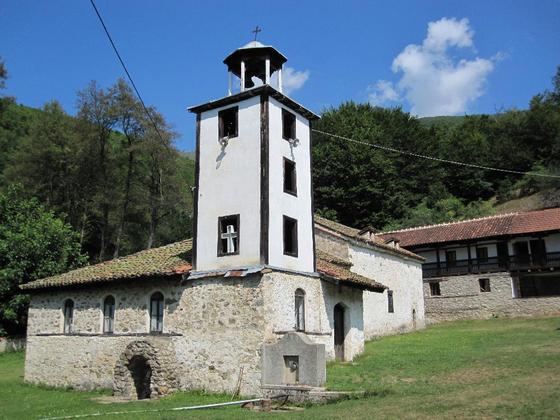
column 448, row 33
column 431, row 80
column 292, row 79
column 383, row 92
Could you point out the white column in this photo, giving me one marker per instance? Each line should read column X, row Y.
column 242, row 76
column 267, row 72
column 280, row 80
column 229, row 83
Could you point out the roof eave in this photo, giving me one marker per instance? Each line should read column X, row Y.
column 249, row 93
column 30, row 288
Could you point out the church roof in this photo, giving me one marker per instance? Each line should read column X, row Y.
column 175, row 259
column 249, row 93
column 254, row 50
column 339, row 269
column 354, row 234
column 484, row 227
column 167, row 260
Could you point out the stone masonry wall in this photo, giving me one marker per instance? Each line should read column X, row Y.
column 331, row 244
column 214, row 327
column 461, row 298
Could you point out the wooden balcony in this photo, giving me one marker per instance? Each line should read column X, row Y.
column 491, row 265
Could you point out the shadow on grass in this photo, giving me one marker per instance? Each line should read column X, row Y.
column 350, row 396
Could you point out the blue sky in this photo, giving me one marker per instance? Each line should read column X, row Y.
column 430, row 57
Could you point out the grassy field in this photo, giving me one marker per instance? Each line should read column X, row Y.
column 500, row 368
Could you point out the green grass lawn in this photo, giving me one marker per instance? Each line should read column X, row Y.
column 500, row 368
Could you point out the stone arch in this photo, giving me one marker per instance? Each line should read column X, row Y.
column 145, row 370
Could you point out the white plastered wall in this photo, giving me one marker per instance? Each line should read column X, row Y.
column 229, row 183
column 281, row 203
column 320, row 299
column 404, row 277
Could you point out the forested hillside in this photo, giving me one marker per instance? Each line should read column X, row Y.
column 117, row 181
column 123, row 187
column 106, row 182
column 360, row 185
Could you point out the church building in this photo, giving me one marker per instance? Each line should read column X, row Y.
column 262, row 295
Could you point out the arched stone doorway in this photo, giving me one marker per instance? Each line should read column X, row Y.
column 145, row 371
column 339, row 331
column 141, row 373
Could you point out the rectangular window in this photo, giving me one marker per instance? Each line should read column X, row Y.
column 228, row 235
column 290, row 237
column 484, row 285
column 435, row 289
column 300, row 310
column 391, row 306
column 156, row 313
column 109, row 315
column 482, row 254
column 288, row 125
column 68, row 316
column 227, row 122
column 451, row 258
column 290, row 180
column 535, row 286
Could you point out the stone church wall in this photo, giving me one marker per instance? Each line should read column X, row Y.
column 461, row 298
column 403, row 277
column 320, row 299
column 215, row 326
column 331, row 244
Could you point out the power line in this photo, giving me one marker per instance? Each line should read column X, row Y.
column 452, row 162
column 126, row 70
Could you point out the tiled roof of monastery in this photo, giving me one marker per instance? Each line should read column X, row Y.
column 352, row 233
column 335, row 267
column 484, row 227
column 167, row 260
column 175, row 259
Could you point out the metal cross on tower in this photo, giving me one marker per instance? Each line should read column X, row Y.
column 256, row 31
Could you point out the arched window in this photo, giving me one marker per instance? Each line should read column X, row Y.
column 109, row 315
column 68, row 315
column 156, row 313
column 300, row 310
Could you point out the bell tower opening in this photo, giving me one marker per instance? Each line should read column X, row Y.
column 254, row 60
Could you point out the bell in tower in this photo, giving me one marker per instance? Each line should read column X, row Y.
column 254, row 60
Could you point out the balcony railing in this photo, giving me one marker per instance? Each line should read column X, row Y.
column 490, row 265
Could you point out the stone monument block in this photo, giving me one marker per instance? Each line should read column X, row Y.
column 294, row 360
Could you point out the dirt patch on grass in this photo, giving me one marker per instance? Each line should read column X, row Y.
column 472, row 375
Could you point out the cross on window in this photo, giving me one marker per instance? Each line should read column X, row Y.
column 229, row 236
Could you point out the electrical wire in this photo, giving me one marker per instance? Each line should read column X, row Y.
column 377, row 146
column 418, row 155
column 126, row 70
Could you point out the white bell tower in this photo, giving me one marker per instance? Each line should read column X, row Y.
column 253, row 196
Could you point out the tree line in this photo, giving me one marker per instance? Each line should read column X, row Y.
column 108, row 181
column 83, row 189
column 109, row 172
column 360, row 185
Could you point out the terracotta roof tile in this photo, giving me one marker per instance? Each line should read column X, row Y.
column 353, row 233
column 174, row 259
column 167, row 260
column 485, row 227
column 334, row 267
